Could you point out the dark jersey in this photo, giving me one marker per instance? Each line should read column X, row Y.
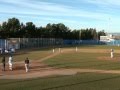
column 26, row 61
column 3, row 60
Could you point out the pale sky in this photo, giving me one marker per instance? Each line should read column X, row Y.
column 76, row 14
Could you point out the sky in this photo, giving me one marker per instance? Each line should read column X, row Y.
column 75, row 14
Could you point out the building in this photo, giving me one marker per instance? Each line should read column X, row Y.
column 10, row 43
column 107, row 38
column 111, row 39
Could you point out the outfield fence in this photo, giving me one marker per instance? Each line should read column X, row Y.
column 39, row 42
column 2, row 43
column 114, row 43
column 82, row 42
column 19, row 43
column 91, row 42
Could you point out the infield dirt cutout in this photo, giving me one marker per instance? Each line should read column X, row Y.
column 38, row 69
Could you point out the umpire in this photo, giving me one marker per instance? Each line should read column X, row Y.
column 3, row 63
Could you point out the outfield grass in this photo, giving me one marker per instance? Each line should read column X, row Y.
column 37, row 54
column 84, row 60
column 31, row 54
column 83, row 81
column 95, row 47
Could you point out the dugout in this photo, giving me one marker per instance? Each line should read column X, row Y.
column 13, row 43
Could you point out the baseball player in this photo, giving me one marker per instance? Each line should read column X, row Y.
column 76, row 49
column 3, row 63
column 10, row 62
column 59, row 50
column 53, row 50
column 27, row 64
column 112, row 51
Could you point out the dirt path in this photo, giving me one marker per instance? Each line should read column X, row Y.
column 19, row 69
column 50, row 56
column 51, row 72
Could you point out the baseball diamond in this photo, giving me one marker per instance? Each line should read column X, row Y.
column 90, row 64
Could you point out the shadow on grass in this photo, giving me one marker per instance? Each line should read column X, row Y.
column 73, row 65
column 86, row 82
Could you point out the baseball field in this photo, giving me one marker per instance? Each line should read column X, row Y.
column 88, row 68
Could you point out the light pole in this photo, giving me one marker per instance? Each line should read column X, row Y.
column 109, row 23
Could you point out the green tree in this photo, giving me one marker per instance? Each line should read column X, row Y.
column 4, row 30
column 13, row 28
column 101, row 33
column 13, row 25
column 30, row 29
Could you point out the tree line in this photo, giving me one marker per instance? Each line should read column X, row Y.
column 13, row 28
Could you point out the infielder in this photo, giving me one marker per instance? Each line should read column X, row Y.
column 76, row 49
column 59, row 50
column 53, row 50
column 112, row 51
column 10, row 62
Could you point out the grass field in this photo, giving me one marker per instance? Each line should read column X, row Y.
column 72, row 59
column 34, row 54
column 88, row 59
column 83, row 81
column 95, row 47
column 83, row 60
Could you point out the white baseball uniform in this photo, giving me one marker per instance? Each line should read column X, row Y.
column 112, row 53
column 10, row 63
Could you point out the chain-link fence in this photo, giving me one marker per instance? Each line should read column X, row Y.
column 114, row 43
column 2, row 43
column 39, row 42
column 20, row 43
